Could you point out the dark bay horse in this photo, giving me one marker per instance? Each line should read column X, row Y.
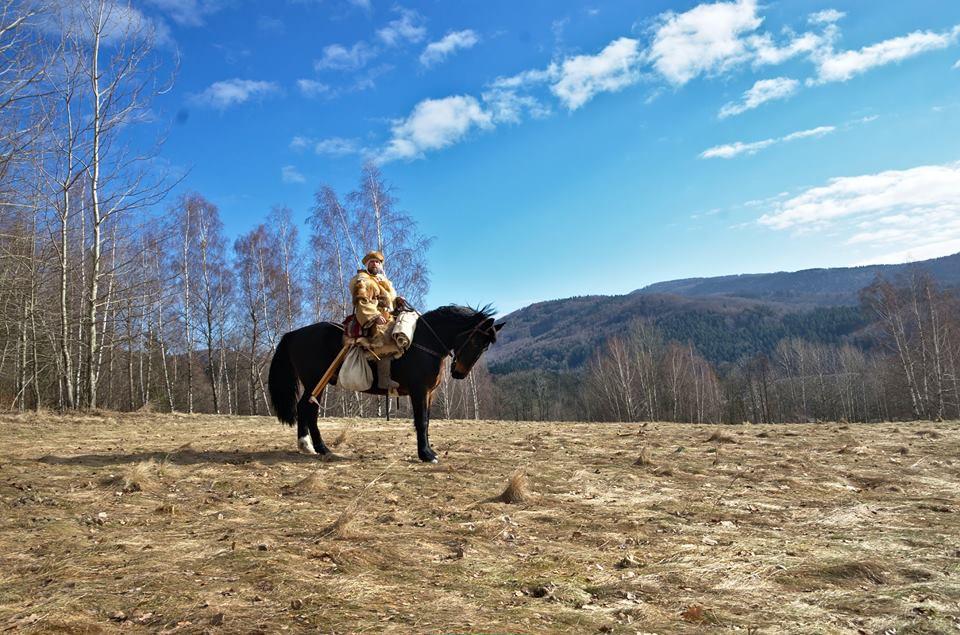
column 302, row 357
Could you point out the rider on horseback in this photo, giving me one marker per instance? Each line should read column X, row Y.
column 374, row 301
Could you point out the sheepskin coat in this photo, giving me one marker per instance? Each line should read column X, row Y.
column 373, row 296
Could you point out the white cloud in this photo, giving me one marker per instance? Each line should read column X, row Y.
column 333, row 146
column 762, row 91
column 407, row 28
column 299, row 143
column 827, row 16
column 583, row 76
column 839, row 67
column 508, row 106
column 957, row 66
column 528, row 79
column 231, row 92
column 120, row 21
column 290, row 174
column 341, row 58
column 925, row 200
column 922, row 251
column 362, row 4
column 508, row 98
column 450, row 43
column 435, row 124
column 766, row 52
column 713, row 38
column 806, row 134
column 188, row 12
column 879, row 236
column 731, row 150
column 705, row 39
column 337, row 146
column 313, row 88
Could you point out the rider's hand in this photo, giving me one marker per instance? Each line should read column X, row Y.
column 381, row 320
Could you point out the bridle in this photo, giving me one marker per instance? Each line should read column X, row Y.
column 447, row 350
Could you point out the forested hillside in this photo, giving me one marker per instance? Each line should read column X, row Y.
column 725, row 318
column 562, row 334
column 892, row 354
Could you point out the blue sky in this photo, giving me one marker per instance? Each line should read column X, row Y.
column 562, row 148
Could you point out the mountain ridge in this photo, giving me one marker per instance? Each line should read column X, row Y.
column 823, row 286
column 725, row 317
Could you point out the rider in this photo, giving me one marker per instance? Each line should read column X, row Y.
column 374, row 300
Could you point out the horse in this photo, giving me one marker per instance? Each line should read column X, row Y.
column 303, row 356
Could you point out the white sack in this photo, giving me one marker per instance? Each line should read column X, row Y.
column 355, row 373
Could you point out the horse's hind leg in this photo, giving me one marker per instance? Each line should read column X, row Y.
column 308, row 435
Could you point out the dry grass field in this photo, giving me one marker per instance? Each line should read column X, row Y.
column 166, row 523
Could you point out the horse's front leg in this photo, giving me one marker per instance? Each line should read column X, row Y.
column 421, row 421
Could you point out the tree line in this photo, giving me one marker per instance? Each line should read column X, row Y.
column 115, row 294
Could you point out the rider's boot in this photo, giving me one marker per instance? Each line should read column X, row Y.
column 383, row 375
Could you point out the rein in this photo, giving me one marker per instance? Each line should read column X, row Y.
column 446, row 348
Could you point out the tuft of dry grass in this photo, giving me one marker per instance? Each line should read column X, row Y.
column 720, row 437
column 136, row 478
column 340, row 529
column 841, row 574
column 167, row 509
column 517, row 490
column 340, row 439
column 313, row 483
column 663, row 470
column 644, row 459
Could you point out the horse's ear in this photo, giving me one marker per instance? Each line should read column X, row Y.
column 487, row 324
column 499, row 326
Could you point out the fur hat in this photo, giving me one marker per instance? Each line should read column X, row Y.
column 373, row 255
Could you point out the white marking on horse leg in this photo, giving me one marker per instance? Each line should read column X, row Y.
column 305, row 445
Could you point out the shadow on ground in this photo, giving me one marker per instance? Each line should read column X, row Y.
column 185, row 457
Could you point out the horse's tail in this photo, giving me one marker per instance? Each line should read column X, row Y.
column 283, row 384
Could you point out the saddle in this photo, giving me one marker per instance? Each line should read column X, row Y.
column 405, row 323
column 352, row 328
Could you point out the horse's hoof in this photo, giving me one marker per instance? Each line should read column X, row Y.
column 305, row 446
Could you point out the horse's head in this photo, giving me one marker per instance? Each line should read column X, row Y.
column 464, row 332
column 471, row 344
column 475, row 331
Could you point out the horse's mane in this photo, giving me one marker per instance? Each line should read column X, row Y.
column 465, row 315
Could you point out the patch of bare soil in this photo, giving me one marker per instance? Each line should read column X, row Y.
column 167, row 523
